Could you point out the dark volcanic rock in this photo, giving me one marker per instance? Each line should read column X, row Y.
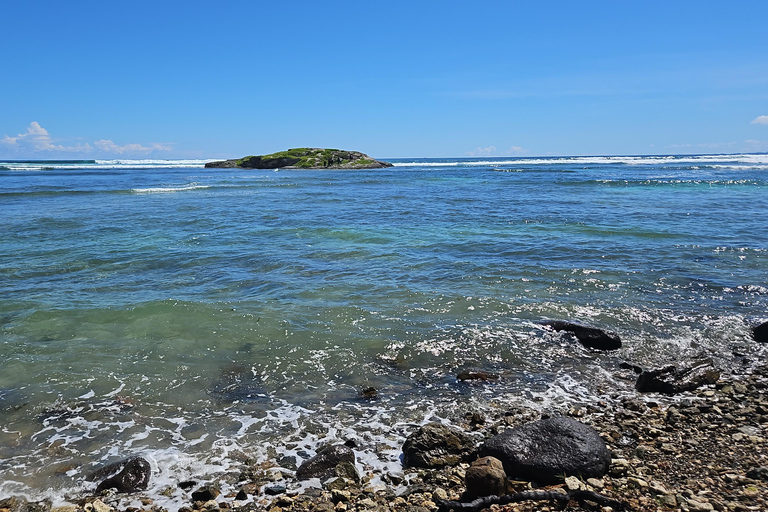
column 546, row 450
column 590, row 337
column 323, row 465
column 485, row 477
column 760, row 332
column 128, row 475
column 435, row 445
column 671, row 380
column 479, row 375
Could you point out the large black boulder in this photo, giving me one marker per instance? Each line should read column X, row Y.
column 760, row 332
column 671, row 380
column 590, row 337
column 323, row 464
column 127, row 475
column 435, row 445
column 545, row 451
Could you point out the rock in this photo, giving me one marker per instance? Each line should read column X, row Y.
column 97, row 506
column 760, row 332
column 485, row 477
column 238, row 384
column 274, row 490
column 435, row 445
column 759, row 473
column 323, row 465
column 304, row 158
column 206, row 493
column 347, row 470
column 545, row 451
column 369, row 393
column 19, row 504
column 670, row 380
column 128, row 475
column 590, row 337
column 480, row 375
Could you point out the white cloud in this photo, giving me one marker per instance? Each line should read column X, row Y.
column 110, row 147
column 514, row 150
column 490, row 150
column 38, row 140
column 760, row 120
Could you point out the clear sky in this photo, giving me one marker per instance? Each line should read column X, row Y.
column 187, row 79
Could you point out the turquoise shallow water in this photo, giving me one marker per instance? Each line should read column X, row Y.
column 186, row 314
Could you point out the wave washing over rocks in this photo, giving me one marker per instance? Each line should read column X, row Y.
column 689, row 439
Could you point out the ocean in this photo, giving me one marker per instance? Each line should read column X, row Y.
column 201, row 317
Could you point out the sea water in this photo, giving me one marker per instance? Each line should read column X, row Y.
column 206, row 317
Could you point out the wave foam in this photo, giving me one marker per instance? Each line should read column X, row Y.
column 167, row 190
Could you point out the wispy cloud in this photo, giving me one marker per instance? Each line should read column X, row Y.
column 37, row 140
column 110, row 147
column 760, row 120
column 491, row 151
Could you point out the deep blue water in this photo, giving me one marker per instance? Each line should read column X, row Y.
column 184, row 313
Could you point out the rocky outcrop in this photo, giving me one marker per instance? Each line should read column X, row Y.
column 760, row 332
column 435, row 445
column 127, row 475
column 545, row 451
column 323, row 465
column 304, row 158
column 590, row 337
column 671, row 380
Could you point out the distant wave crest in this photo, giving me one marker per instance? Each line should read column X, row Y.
column 168, row 190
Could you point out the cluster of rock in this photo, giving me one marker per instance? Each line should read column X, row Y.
column 304, row 158
column 706, row 451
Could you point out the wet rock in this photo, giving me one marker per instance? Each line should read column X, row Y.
column 274, row 490
column 369, row 393
column 237, row 383
column 476, row 375
column 206, row 493
column 128, row 475
column 590, row 337
column 485, row 477
column 19, row 504
column 323, row 465
column 435, row 445
column 545, row 451
column 348, row 471
column 671, row 380
column 760, row 332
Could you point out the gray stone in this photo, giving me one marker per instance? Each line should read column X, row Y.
column 435, row 445
column 323, row 465
column 547, row 450
column 671, row 380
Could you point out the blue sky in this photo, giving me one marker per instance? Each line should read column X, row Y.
column 393, row 79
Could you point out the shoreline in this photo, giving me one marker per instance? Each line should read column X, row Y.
column 699, row 450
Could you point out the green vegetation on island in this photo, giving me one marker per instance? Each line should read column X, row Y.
column 304, row 158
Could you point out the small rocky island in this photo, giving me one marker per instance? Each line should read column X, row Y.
column 304, row 158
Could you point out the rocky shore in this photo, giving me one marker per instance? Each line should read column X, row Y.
column 697, row 447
